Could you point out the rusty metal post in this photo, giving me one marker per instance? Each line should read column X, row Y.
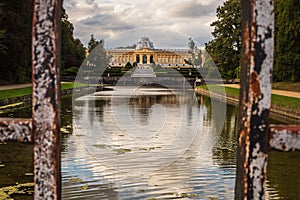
column 46, row 98
column 255, row 98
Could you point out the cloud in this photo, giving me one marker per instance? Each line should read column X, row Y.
column 108, row 18
column 161, row 37
column 106, row 22
column 192, row 9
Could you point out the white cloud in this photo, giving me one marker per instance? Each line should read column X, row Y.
column 108, row 18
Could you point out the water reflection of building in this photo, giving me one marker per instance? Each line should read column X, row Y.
column 146, row 101
column 189, row 173
column 145, row 53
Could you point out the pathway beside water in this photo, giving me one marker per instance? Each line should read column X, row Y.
column 278, row 92
column 15, row 86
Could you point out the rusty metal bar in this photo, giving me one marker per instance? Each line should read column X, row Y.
column 284, row 137
column 15, row 130
column 46, row 98
column 255, row 98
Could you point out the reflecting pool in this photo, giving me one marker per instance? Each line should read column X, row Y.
column 147, row 143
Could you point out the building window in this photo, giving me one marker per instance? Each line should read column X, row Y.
column 151, row 59
column 144, row 59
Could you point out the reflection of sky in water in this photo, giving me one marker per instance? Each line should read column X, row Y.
column 147, row 144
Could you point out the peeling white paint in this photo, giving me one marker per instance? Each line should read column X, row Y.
column 265, row 24
column 15, row 130
column 285, row 140
column 257, row 171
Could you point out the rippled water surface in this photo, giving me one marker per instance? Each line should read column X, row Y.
column 147, row 143
column 150, row 143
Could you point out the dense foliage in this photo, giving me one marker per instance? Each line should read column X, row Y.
column 15, row 41
column 225, row 48
column 127, row 67
column 72, row 50
column 196, row 59
column 287, row 40
column 93, row 43
column 97, row 60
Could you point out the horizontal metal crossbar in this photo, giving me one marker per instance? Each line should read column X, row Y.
column 15, row 130
column 284, row 137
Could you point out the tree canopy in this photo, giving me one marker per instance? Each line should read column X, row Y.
column 15, row 40
column 73, row 51
column 196, row 54
column 98, row 59
column 93, row 43
column 287, row 40
column 2, row 33
column 225, row 48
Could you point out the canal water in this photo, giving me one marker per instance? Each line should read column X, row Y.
column 145, row 143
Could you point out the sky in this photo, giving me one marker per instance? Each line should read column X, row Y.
column 168, row 23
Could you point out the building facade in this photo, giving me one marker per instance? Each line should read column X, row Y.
column 145, row 53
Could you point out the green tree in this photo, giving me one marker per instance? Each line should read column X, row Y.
column 3, row 47
column 212, row 72
column 196, row 54
column 16, row 36
column 287, row 41
column 198, row 58
column 127, row 67
column 72, row 50
column 92, row 43
column 225, row 48
column 98, row 59
column 2, row 43
column 15, row 40
column 191, row 45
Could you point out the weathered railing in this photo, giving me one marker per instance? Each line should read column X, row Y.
column 256, row 136
column 43, row 129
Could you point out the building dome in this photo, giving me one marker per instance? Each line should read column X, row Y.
column 144, row 43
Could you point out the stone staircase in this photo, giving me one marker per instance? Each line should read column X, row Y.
column 144, row 71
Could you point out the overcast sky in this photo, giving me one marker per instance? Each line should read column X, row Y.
column 168, row 23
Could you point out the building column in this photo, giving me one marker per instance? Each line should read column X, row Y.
column 155, row 58
column 148, row 58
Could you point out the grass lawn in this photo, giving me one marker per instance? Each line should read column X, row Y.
column 289, row 86
column 6, row 94
column 216, row 88
column 287, row 102
column 70, row 85
column 278, row 100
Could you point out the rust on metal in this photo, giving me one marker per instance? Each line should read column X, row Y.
column 45, row 99
column 255, row 84
column 255, row 98
column 284, row 137
column 15, row 130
